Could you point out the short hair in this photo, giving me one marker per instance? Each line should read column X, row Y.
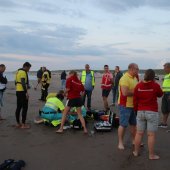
column 26, row 64
column 106, row 65
column 2, row 65
column 167, row 65
column 131, row 65
column 117, row 67
column 73, row 72
column 149, row 75
column 60, row 95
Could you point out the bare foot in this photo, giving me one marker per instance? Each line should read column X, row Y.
column 121, row 147
column 24, row 126
column 17, row 125
column 85, row 131
column 154, row 157
column 135, row 154
column 59, row 131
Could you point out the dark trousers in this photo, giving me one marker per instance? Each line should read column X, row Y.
column 115, row 92
column 88, row 93
column 44, row 91
column 22, row 104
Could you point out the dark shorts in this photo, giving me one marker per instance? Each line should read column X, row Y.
column 105, row 92
column 127, row 116
column 166, row 103
column 74, row 102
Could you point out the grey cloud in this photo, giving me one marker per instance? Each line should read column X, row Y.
column 39, row 41
column 61, row 41
column 138, row 51
column 123, row 5
column 40, row 6
column 8, row 4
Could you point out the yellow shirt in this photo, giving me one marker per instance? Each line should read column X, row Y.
column 19, row 75
column 130, row 82
column 45, row 78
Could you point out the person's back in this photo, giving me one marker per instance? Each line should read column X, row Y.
column 145, row 103
column 39, row 73
column 145, row 95
column 54, row 104
column 75, row 87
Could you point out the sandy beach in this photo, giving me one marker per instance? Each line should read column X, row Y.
column 42, row 149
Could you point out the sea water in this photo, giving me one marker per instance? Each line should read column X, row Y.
column 11, row 76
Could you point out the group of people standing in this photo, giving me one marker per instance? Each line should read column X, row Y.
column 137, row 101
column 138, row 107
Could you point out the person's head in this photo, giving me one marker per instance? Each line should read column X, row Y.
column 2, row 68
column 149, row 75
column 60, row 95
column 87, row 67
column 117, row 69
column 43, row 69
column 106, row 68
column 26, row 66
column 167, row 68
column 133, row 69
column 72, row 73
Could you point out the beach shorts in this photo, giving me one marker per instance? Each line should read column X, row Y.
column 166, row 103
column 105, row 92
column 147, row 120
column 127, row 116
column 77, row 102
column 1, row 98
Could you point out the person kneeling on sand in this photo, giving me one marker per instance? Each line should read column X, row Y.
column 74, row 88
column 52, row 109
column 145, row 103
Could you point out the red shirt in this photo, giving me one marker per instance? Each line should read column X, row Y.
column 145, row 96
column 107, row 79
column 75, row 87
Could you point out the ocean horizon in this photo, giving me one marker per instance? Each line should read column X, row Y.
column 11, row 76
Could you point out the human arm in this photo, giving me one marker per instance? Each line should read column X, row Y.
column 126, row 91
column 24, row 87
column 135, row 99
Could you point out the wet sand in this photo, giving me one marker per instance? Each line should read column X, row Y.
column 42, row 149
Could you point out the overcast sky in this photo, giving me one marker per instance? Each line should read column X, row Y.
column 67, row 34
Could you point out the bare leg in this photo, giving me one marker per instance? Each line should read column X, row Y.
column 133, row 133
column 66, row 110
column 151, row 143
column 165, row 118
column 137, row 143
column 121, row 132
column 81, row 119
